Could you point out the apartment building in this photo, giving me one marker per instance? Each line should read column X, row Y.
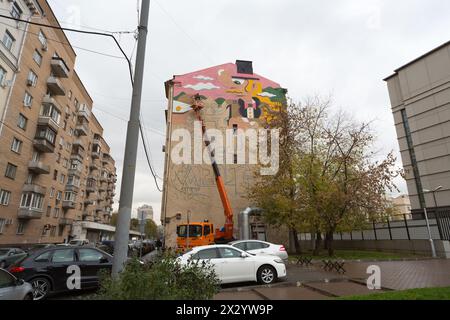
column 234, row 98
column 420, row 99
column 55, row 167
column 145, row 211
column 12, row 37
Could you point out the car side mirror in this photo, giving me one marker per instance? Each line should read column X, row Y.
column 244, row 255
column 20, row 282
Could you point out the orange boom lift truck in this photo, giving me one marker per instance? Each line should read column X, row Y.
column 201, row 233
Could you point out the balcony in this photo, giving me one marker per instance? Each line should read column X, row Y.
column 68, row 204
column 55, row 87
column 59, row 68
column 91, row 188
column 81, row 129
column 48, row 100
column 97, row 219
column 88, row 202
column 34, row 188
column 29, row 213
column 72, row 188
column 95, row 154
column 78, row 142
column 48, row 122
column 65, row 222
column 76, row 171
column 93, row 166
column 84, row 112
column 38, row 167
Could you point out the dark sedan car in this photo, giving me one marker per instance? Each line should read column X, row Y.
column 54, row 269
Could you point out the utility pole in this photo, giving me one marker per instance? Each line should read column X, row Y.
column 129, row 163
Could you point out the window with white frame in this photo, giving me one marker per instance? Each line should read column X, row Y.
column 56, row 212
column 42, row 38
column 69, row 196
column 8, row 40
column 62, row 178
column 21, row 227
column 28, row 100
column 32, row 200
column 49, row 110
column 2, row 225
column 59, row 195
column 16, row 145
column 2, row 75
column 22, row 122
column 10, row 171
column 52, row 192
column 16, row 12
column 5, row 196
column 32, row 78
column 37, row 57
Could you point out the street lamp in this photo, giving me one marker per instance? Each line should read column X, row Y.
column 433, row 249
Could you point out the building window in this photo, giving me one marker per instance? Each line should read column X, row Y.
column 53, row 231
column 16, row 145
column 75, row 103
column 412, row 155
column 31, row 200
column 70, row 94
column 69, row 196
column 30, row 178
column 64, row 124
column 47, row 134
column 58, row 196
column 55, row 175
column 2, row 76
column 8, row 40
column 58, row 158
column 62, row 178
column 235, row 159
column 28, row 100
column 22, row 122
column 56, row 213
column 50, row 111
column 32, row 78
column 52, row 192
column 37, row 58
column 11, row 171
column 20, row 227
column 2, row 225
column 49, row 211
column 42, row 38
column 16, row 12
column 4, row 197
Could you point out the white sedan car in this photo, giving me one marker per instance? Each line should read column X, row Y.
column 12, row 288
column 234, row 265
column 261, row 247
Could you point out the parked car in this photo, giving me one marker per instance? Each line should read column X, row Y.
column 261, row 247
column 107, row 246
column 12, row 288
column 10, row 255
column 79, row 242
column 235, row 265
column 39, row 246
column 48, row 269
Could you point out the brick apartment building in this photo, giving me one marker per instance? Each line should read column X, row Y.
column 234, row 98
column 57, row 176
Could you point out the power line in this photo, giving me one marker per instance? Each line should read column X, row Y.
column 65, row 43
column 77, row 31
column 147, row 156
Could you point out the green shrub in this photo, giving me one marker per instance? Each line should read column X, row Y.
column 162, row 279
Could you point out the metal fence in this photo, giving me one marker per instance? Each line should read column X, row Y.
column 398, row 229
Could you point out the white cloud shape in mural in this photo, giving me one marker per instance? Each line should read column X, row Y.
column 202, row 86
column 266, row 94
column 200, row 77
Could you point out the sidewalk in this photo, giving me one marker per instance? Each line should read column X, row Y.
column 312, row 283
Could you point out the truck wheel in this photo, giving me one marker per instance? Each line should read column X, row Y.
column 266, row 275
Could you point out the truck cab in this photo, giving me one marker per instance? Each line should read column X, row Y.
column 198, row 234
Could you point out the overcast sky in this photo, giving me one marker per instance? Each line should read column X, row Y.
column 343, row 48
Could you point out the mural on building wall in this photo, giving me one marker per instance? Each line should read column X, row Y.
column 249, row 96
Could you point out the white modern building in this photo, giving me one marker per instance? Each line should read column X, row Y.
column 145, row 211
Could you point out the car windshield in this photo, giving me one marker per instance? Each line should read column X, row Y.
column 194, row 231
column 3, row 252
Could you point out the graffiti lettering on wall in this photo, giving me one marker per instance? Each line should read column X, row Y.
column 197, row 182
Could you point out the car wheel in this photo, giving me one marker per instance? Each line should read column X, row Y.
column 2, row 265
column 266, row 274
column 41, row 288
